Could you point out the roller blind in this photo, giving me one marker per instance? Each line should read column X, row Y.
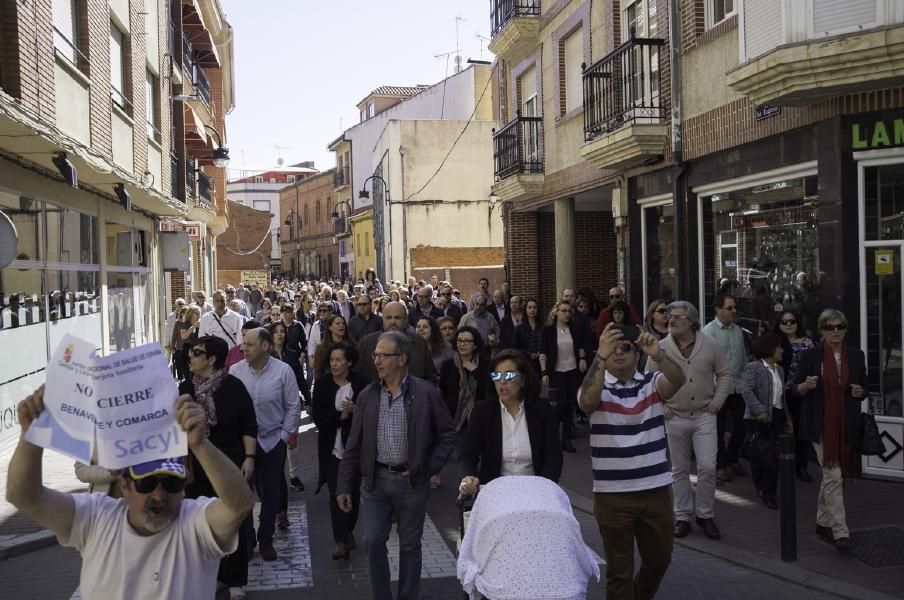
column 116, row 58
column 831, row 17
column 65, row 20
column 762, row 26
column 574, row 56
column 528, row 85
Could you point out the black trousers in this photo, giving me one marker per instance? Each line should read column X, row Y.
column 566, row 384
column 801, row 447
column 733, row 409
column 343, row 523
column 765, row 475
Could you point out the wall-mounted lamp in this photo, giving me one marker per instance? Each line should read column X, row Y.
column 494, row 198
column 364, row 194
column 125, row 199
column 66, row 169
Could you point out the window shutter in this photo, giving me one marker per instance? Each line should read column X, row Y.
column 65, row 21
column 832, row 17
column 762, row 26
column 528, row 85
column 116, row 58
column 574, row 56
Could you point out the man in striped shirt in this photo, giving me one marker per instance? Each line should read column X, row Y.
column 631, row 475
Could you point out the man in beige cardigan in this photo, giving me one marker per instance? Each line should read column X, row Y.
column 690, row 415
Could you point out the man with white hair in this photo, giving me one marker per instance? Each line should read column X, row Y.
column 424, row 307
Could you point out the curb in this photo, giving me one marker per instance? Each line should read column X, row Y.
column 768, row 566
column 18, row 545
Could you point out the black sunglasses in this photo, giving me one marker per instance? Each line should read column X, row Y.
column 198, row 352
column 625, row 347
column 172, row 485
column 839, row 327
column 788, row 321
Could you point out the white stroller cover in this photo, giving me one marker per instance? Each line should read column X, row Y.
column 522, row 542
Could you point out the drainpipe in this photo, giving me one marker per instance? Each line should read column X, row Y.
column 402, row 152
column 679, row 193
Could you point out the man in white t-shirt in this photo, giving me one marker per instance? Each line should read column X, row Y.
column 151, row 543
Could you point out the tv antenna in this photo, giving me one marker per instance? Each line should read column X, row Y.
column 279, row 159
column 457, row 52
column 482, row 40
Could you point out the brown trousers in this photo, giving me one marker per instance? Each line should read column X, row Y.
column 646, row 517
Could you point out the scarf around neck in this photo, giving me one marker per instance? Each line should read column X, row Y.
column 467, row 392
column 836, row 448
column 204, row 391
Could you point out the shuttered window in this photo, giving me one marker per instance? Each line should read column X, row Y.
column 831, row 17
column 65, row 24
column 762, row 26
column 528, row 82
column 574, row 56
column 718, row 10
column 116, row 65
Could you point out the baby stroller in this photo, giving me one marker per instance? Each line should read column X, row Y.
column 522, row 542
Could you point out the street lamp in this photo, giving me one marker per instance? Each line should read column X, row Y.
column 335, row 216
column 494, row 198
column 365, row 195
column 220, row 153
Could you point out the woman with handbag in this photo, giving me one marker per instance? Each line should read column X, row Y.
column 763, row 389
column 831, row 382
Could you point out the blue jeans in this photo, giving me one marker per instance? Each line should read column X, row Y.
column 268, row 471
column 392, row 494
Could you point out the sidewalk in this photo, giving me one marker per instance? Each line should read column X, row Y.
column 19, row 535
column 750, row 531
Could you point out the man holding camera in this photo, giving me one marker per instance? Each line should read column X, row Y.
column 690, row 415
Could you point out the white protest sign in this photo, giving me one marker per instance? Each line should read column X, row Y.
column 121, row 404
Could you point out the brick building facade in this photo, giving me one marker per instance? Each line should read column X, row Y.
column 307, row 235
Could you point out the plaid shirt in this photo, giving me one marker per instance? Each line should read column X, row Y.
column 392, row 427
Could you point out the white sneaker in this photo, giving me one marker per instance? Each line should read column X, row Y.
column 237, row 593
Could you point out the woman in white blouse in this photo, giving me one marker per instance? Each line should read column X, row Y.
column 332, row 407
column 515, row 433
column 763, row 389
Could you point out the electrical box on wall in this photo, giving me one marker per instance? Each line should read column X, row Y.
column 619, row 203
column 175, row 251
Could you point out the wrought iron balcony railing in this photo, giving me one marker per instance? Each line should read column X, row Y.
column 187, row 55
column 189, row 178
column 341, row 177
column 503, row 11
column 201, row 83
column 623, row 88
column 518, row 147
column 205, row 189
column 174, row 176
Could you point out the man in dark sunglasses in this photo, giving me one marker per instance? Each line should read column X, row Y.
column 364, row 322
column 632, row 480
column 616, row 294
column 169, row 546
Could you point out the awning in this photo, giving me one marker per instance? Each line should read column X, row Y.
column 198, row 33
column 195, row 134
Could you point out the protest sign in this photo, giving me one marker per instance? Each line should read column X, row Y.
column 118, row 407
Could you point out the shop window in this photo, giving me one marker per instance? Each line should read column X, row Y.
column 718, row 10
column 761, row 245
column 884, row 202
column 659, row 226
column 71, row 236
column 25, row 214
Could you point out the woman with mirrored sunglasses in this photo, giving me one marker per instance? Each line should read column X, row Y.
column 831, row 382
column 232, row 428
column 789, row 326
column 514, row 432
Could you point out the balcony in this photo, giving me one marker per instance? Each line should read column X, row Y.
column 518, row 158
column 202, row 84
column 515, row 25
column 205, row 190
column 174, row 177
column 341, row 178
column 187, row 55
column 793, row 56
column 624, row 121
column 189, row 178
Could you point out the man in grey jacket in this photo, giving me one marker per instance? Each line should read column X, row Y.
column 691, row 415
column 401, row 435
column 395, row 318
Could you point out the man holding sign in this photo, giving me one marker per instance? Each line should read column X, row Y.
column 151, row 543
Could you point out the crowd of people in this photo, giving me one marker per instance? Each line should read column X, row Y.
column 401, row 377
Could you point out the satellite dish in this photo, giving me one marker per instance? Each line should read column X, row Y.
column 279, row 162
column 9, row 240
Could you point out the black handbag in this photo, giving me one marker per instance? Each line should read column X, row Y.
column 759, row 449
column 869, row 442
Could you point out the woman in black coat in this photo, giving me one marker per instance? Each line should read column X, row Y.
column 232, row 427
column 467, row 366
column 563, row 371
column 527, row 335
column 517, row 390
column 333, row 405
column 830, row 418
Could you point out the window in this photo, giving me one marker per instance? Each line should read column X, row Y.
column 371, row 108
column 290, row 178
column 261, row 205
column 306, row 214
column 66, row 30
column 643, row 89
column 258, row 179
column 358, row 247
column 317, row 213
column 366, row 243
column 572, row 55
column 718, row 10
column 273, row 180
column 363, row 115
column 117, row 66
column 152, row 105
column 639, row 15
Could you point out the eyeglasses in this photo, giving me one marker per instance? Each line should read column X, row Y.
column 615, row 297
column 506, row 376
column 196, row 352
column 382, row 355
column 730, row 307
column 363, row 304
column 464, row 341
column 788, row 321
column 838, row 327
column 625, row 347
column 677, row 317
column 172, row 485
column 662, row 311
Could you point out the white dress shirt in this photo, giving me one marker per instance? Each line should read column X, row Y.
column 778, row 390
column 228, row 329
column 343, row 393
column 517, row 458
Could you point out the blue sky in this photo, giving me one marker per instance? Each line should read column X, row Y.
column 301, row 66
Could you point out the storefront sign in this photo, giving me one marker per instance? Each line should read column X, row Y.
column 774, row 217
column 261, row 278
column 192, row 229
column 880, row 134
column 119, row 408
column 885, row 262
column 764, row 111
